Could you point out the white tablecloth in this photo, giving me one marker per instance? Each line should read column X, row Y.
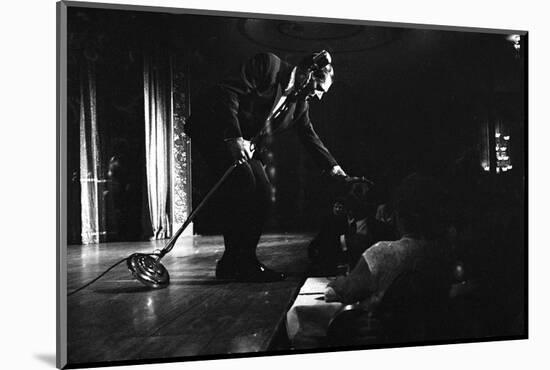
column 308, row 318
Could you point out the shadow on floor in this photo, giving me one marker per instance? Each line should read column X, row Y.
column 47, row 358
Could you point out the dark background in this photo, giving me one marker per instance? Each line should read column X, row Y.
column 403, row 100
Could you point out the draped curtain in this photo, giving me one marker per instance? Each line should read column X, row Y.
column 91, row 182
column 157, row 104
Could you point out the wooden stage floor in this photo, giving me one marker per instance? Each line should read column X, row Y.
column 118, row 318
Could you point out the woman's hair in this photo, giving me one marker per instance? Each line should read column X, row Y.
column 419, row 203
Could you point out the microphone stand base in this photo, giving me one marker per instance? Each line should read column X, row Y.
column 148, row 270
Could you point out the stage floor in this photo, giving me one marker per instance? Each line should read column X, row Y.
column 117, row 318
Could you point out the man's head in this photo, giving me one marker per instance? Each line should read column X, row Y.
column 314, row 75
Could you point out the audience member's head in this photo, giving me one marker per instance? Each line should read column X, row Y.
column 359, row 201
column 419, row 203
column 339, row 207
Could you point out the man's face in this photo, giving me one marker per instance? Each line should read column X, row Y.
column 318, row 86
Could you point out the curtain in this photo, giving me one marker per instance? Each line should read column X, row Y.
column 181, row 145
column 91, row 183
column 157, row 104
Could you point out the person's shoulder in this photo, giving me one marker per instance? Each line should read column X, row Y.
column 383, row 244
column 379, row 247
column 388, row 247
column 380, row 254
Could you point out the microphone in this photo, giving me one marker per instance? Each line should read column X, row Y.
column 321, row 60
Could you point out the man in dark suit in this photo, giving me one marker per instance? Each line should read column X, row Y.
column 228, row 125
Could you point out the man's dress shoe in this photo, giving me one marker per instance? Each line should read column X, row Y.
column 249, row 272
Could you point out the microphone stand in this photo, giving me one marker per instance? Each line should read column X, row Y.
column 146, row 267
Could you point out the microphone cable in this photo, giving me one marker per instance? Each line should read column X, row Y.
column 100, row 276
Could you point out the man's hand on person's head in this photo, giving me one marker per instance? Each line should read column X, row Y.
column 337, row 171
column 239, row 150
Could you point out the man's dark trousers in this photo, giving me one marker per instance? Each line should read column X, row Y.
column 242, row 203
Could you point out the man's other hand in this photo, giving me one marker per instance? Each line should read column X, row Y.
column 337, row 171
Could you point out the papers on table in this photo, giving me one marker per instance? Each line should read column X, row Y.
column 315, row 285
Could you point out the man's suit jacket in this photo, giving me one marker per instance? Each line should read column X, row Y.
column 240, row 105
